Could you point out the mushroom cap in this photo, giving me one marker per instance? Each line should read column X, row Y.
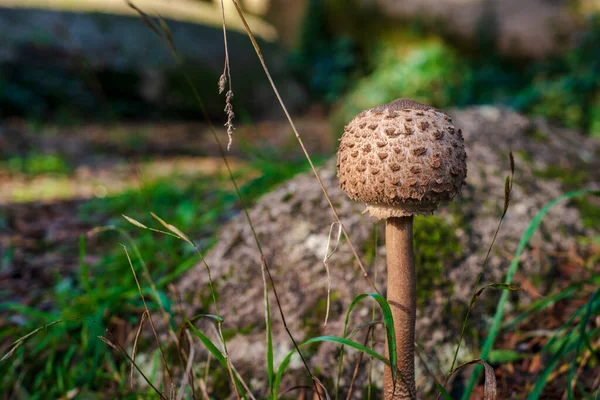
column 401, row 159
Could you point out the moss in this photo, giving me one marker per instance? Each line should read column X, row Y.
column 287, row 197
column 220, row 381
column 436, row 247
column 539, row 136
column 313, row 319
column 571, row 178
column 590, row 212
column 369, row 247
column 228, row 334
column 316, row 314
column 524, row 155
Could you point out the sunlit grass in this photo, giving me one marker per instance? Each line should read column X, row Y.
column 28, row 180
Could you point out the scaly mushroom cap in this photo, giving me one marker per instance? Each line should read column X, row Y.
column 401, row 159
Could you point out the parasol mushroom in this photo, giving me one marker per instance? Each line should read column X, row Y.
column 401, row 159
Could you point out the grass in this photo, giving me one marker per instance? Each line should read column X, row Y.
column 37, row 164
column 101, row 298
column 62, row 358
column 495, row 327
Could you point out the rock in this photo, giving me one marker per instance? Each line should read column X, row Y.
column 85, row 58
column 293, row 226
column 530, row 28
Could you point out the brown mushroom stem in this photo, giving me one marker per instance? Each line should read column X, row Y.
column 401, row 291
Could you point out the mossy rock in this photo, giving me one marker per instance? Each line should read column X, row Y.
column 106, row 66
column 293, row 224
column 436, row 249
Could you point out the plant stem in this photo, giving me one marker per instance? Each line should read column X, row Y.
column 401, row 296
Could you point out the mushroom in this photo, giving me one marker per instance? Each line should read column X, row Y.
column 401, row 159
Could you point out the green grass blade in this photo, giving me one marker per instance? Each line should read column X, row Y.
column 389, row 328
column 270, row 363
column 582, row 341
column 334, row 339
column 566, row 347
column 19, row 342
column 214, row 350
column 200, row 316
column 495, row 328
column 443, row 391
column 559, row 337
column 210, row 346
column 84, row 273
column 503, row 356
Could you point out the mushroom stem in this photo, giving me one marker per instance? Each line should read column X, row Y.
column 401, row 290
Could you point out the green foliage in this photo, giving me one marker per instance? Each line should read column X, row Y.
column 275, row 168
column 429, row 73
column 321, row 59
column 590, row 212
column 567, row 88
column 389, row 330
column 68, row 355
column 416, row 64
column 572, row 179
column 37, row 164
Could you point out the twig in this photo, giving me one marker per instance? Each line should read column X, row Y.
column 135, row 343
column 162, row 353
column 188, row 368
column 328, row 255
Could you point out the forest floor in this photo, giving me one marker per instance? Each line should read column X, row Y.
column 58, row 183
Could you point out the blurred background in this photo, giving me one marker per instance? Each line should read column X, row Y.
column 97, row 119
